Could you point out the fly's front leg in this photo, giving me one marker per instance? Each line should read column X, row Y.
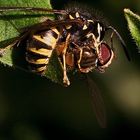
column 65, row 77
column 79, row 61
column 80, row 56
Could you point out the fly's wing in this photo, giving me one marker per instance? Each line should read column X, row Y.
column 46, row 25
column 38, row 26
column 31, row 30
column 14, row 14
column 97, row 101
column 52, row 23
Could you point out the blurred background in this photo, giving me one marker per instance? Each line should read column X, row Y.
column 34, row 108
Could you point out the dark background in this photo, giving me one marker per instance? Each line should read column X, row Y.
column 34, row 108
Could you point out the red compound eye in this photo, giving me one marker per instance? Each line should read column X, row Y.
column 105, row 54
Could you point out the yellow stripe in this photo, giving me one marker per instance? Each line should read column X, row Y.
column 38, row 37
column 38, row 61
column 71, row 17
column 85, row 27
column 68, row 26
column 90, row 20
column 42, row 61
column 77, row 14
column 41, row 51
column 50, row 40
column 41, row 68
column 55, row 30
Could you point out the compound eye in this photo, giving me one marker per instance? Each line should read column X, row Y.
column 105, row 54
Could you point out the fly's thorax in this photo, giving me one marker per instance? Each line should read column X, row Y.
column 90, row 24
column 90, row 29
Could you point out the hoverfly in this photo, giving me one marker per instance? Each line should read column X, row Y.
column 78, row 38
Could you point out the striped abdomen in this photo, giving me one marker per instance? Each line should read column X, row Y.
column 40, row 48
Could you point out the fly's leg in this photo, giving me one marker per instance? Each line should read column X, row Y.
column 79, row 61
column 65, row 77
column 3, row 50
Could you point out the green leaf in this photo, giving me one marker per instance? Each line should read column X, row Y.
column 11, row 24
column 133, row 21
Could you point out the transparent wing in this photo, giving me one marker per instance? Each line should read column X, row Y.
column 52, row 23
column 97, row 101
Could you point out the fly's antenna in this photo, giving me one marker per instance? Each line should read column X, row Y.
column 30, row 9
column 121, row 40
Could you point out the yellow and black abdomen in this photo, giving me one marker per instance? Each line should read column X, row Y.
column 39, row 50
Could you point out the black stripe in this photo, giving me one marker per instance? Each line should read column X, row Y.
column 33, row 68
column 41, row 72
column 86, row 65
column 54, row 34
column 72, row 14
column 34, row 55
column 89, row 60
column 39, row 44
